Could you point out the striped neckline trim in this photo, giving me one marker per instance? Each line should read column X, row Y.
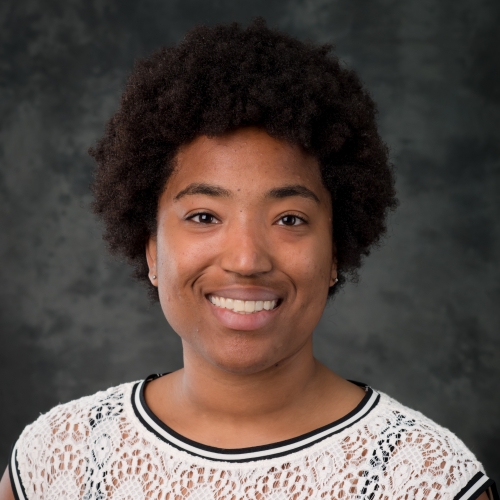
column 274, row 450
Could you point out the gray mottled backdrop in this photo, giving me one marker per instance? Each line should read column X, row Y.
column 423, row 324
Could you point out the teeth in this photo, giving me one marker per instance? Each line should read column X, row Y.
column 243, row 306
column 249, row 306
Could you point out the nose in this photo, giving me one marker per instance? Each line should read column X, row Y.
column 246, row 250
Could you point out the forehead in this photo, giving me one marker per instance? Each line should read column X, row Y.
column 246, row 159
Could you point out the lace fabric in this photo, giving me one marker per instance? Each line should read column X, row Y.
column 99, row 447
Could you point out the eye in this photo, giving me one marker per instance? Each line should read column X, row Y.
column 204, row 218
column 291, row 220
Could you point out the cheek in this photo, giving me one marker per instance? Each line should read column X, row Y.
column 309, row 264
column 181, row 261
column 176, row 272
column 179, row 257
column 176, row 265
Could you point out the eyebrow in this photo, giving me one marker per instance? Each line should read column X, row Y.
column 202, row 188
column 292, row 190
column 220, row 192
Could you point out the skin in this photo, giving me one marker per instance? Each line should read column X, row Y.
column 246, row 384
column 247, row 380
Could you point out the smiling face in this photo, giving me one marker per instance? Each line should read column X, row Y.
column 243, row 253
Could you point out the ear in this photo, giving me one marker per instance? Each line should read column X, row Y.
column 151, row 254
column 333, row 277
column 333, row 273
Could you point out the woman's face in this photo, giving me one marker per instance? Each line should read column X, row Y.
column 243, row 253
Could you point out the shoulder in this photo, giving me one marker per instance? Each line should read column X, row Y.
column 422, row 458
column 78, row 415
column 61, row 439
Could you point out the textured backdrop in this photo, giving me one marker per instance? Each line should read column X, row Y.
column 423, row 324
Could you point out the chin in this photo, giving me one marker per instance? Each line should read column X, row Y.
column 244, row 363
column 242, row 369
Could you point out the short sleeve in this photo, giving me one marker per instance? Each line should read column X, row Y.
column 427, row 461
column 50, row 458
column 477, row 486
column 48, row 454
column 15, row 476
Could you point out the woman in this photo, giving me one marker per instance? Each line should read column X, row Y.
column 244, row 179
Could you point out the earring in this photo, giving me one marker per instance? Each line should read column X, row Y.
column 154, row 276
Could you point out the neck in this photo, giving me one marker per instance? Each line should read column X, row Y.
column 232, row 410
column 210, row 390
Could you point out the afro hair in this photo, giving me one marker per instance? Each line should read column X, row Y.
column 221, row 78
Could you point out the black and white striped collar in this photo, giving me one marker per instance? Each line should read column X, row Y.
column 165, row 433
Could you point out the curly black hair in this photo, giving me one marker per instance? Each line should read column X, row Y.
column 221, row 78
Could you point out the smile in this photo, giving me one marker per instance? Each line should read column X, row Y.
column 243, row 306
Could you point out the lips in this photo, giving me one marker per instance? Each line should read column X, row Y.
column 244, row 308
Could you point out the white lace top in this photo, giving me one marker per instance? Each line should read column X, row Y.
column 111, row 446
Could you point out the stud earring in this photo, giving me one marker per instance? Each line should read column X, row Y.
column 154, row 276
